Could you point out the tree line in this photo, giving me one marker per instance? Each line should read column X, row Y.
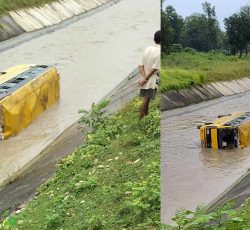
column 201, row 31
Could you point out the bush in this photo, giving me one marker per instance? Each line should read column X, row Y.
column 53, row 221
column 95, row 117
column 223, row 218
column 190, row 50
column 176, row 48
column 226, row 52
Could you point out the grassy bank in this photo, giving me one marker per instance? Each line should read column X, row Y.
column 6, row 5
column 182, row 70
column 111, row 182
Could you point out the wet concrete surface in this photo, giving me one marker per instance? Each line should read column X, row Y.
column 237, row 193
column 191, row 176
column 93, row 55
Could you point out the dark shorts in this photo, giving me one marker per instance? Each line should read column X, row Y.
column 148, row 93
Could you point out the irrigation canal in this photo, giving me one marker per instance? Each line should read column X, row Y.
column 191, row 176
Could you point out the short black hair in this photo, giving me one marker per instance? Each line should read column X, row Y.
column 157, row 37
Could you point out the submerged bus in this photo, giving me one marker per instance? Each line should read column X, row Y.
column 228, row 131
column 25, row 92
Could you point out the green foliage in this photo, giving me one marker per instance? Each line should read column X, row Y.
column 202, row 31
column 238, row 30
column 8, row 223
column 111, row 182
column 190, row 50
column 53, row 221
column 226, row 52
column 224, row 218
column 95, row 117
column 145, row 195
column 176, row 48
column 171, row 28
column 151, row 125
column 199, row 31
column 81, row 186
column 166, row 33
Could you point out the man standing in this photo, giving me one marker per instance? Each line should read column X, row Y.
column 150, row 69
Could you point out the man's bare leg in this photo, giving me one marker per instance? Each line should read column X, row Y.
column 147, row 107
column 144, row 107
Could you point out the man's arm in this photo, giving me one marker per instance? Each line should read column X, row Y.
column 143, row 74
column 151, row 72
column 145, row 79
column 142, row 71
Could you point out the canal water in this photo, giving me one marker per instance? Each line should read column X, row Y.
column 191, row 176
column 92, row 55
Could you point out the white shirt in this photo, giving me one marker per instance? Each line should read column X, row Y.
column 152, row 60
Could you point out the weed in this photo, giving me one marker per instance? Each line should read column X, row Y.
column 96, row 116
column 8, row 223
column 224, row 218
column 53, row 221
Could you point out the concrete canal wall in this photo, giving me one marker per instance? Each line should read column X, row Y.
column 31, row 19
column 179, row 98
column 238, row 192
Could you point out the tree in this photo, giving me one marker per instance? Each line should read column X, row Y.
column 202, row 31
column 245, row 15
column 199, row 31
column 176, row 23
column 196, row 32
column 238, row 31
column 166, row 34
column 172, row 26
column 212, row 27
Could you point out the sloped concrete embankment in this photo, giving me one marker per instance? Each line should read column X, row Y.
column 238, row 192
column 180, row 98
column 31, row 19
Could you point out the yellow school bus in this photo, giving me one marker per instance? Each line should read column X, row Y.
column 25, row 92
column 228, row 131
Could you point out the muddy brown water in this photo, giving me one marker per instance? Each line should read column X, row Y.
column 190, row 175
column 93, row 55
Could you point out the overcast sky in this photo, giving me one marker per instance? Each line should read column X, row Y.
column 224, row 8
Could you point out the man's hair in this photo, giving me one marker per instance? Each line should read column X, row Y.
column 157, row 37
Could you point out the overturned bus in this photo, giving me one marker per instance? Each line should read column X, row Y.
column 25, row 92
column 228, row 131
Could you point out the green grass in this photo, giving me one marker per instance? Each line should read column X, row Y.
column 111, row 182
column 179, row 79
column 182, row 70
column 7, row 5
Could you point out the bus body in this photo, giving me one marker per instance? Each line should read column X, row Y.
column 228, row 131
column 25, row 92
